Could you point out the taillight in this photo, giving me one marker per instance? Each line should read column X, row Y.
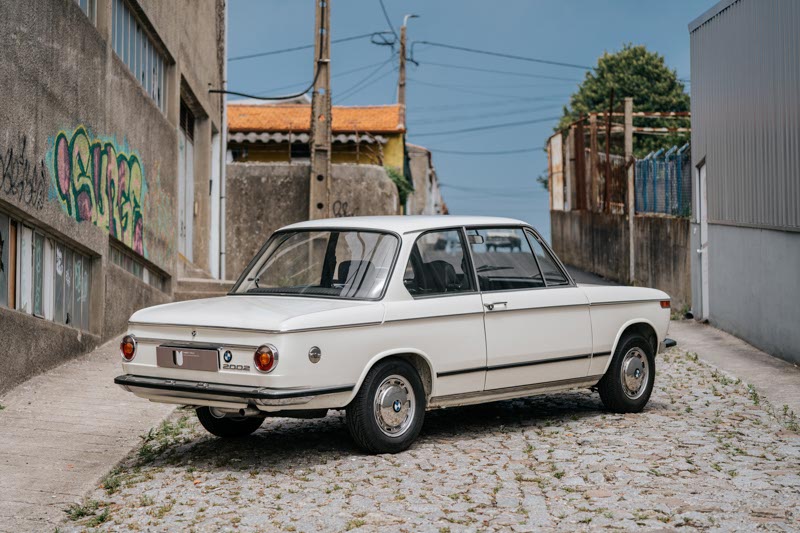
column 127, row 348
column 266, row 358
column 664, row 304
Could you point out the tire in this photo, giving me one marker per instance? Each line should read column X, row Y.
column 618, row 388
column 228, row 427
column 381, row 430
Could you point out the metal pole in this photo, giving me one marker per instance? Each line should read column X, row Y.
column 593, row 163
column 630, row 195
column 319, row 182
column 401, row 81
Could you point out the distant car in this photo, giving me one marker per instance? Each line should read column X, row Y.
column 374, row 316
column 503, row 239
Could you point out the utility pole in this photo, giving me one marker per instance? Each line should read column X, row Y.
column 401, row 81
column 319, row 184
column 631, row 198
column 594, row 165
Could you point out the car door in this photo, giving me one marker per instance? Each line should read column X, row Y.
column 537, row 321
column 444, row 316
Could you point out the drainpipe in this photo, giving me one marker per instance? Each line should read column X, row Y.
column 223, row 152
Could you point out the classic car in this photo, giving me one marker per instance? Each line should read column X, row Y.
column 373, row 316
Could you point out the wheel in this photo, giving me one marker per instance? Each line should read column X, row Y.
column 387, row 413
column 230, row 427
column 628, row 383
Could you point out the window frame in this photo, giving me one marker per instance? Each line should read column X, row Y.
column 531, row 233
column 525, row 230
column 323, row 229
column 474, row 287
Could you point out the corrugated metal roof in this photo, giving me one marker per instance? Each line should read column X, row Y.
column 297, row 118
column 709, row 14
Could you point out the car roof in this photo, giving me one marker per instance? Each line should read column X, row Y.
column 405, row 223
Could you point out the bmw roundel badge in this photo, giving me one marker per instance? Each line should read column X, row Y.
column 228, row 356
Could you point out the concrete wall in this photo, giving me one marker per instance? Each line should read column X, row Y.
column 88, row 158
column 426, row 198
column 263, row 197
column 598, row 243
column 754, row 285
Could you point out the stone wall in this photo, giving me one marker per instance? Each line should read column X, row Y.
column 598, row 243
column 262, row 197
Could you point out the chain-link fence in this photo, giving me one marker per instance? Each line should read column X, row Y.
column 663, row 182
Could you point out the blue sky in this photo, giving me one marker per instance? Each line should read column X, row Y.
column 444, row 98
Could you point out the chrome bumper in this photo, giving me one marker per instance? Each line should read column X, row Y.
column 666, row 343
column 221, row 392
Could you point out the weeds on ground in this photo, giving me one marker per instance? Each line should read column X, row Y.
column 79, row 511
column 2, row 406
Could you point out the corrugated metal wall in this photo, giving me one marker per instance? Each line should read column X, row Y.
column 746, row 112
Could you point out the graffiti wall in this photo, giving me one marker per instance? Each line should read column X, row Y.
column 101, row 181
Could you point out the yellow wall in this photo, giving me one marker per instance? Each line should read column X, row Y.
column 389, row 154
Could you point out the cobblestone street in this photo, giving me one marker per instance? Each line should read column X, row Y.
column 708, row 452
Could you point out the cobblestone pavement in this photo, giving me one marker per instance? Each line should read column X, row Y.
column 708, row 452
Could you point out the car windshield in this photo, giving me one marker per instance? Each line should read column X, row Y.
column 334, row 264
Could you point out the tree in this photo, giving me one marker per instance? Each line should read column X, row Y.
column 643, row 75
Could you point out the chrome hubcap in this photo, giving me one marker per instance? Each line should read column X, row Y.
column 394, row 406
column 635, row 373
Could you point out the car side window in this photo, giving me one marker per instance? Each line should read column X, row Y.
column 438, row 265
column 552, row 273
column 504, row 259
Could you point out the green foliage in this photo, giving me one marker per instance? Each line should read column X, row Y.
column 642, row 75
column 404, row 188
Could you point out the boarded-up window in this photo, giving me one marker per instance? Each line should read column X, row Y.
column 58, row 289
column 25, row 269
column 38, row 274
column 68, row 292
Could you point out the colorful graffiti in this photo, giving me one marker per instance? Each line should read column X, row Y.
column 96, row 181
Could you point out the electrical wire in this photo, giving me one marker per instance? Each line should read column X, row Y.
column 500, row 54
column 494, row 71
column 333, row 76
column 357, row 89
column 488, row 127
column 463, row 89
column 483, row 115
column 303, row 47
column 388, row 20
column 496, row 152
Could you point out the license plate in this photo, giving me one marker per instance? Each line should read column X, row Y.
column 203, row 359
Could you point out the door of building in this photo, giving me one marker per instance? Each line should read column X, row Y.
column 702, row 215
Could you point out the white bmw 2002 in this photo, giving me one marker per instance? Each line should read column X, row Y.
column 387, row 317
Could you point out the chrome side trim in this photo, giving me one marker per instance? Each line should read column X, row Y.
column 519, row 364
column 542, row 308
column 622, row 302
column 520, row 391
column 432, row 317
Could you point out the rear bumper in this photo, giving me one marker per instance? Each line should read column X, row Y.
column 667, row 343
column 220, row 392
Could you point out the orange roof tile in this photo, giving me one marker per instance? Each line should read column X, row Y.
column 297, row 118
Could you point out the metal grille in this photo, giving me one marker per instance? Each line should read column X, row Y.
column 663, row 182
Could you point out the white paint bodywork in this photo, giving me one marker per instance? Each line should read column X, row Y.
column 465, row 353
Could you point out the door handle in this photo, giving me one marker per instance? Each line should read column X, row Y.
column 492, row 305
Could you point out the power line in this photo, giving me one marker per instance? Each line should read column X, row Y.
column 305, row 46
column 388, row 20
column 357, row 88
column 337, row 75
column 489, row 127
column 495, row 152
column 360, row 83
column 494, row 71
column 500, row 54
column 467, row 118
column 466, row 90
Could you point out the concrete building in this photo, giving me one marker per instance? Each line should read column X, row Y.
column 426, row 198
column 745, row 234
column 110, row 166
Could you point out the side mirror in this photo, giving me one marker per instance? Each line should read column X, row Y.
column 475, row 239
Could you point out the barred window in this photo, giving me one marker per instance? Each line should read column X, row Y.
column 134, row 45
